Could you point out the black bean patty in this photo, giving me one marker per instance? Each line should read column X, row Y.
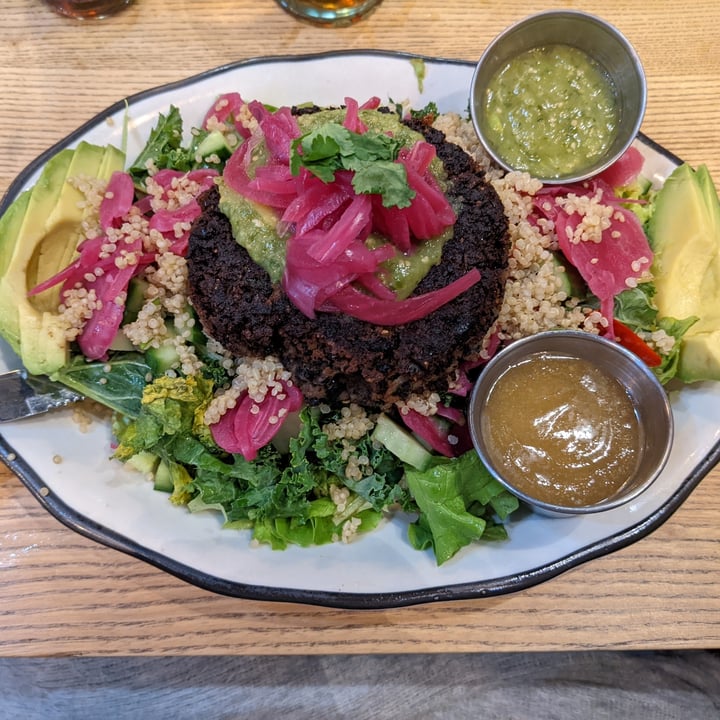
column 337, row 357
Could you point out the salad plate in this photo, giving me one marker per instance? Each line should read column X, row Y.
column 69, row 471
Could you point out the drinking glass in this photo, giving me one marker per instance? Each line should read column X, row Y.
column 330, row 12
column 87, row 9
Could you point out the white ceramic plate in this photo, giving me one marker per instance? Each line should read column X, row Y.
column 114, row 506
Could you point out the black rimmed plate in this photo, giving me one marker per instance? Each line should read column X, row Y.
column 114, row 506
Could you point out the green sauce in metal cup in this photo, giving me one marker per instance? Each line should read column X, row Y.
column 551, row 111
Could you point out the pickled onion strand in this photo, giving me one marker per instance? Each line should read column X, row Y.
column 117, row 201
column 351, row 301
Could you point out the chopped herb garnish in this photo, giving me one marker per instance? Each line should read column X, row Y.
column 370, row 156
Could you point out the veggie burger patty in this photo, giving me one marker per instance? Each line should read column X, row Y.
column 338, row 357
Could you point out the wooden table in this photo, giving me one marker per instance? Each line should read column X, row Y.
column 61, row 594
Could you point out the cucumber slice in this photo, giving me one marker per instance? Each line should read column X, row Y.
column 144, row 462
column 214, row 144
column 162, row 359
column 163, row 478
column 401, row 443
column 135, row 299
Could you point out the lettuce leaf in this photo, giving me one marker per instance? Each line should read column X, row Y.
column 635, row 307
column 459, row 502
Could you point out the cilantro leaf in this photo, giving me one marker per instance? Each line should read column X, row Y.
column 370, row 156
column 369, row 147
column 321, row 152
column 384, row 178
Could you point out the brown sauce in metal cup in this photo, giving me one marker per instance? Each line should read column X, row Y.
column 562, row 430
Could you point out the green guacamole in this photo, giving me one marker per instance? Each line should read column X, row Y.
column 551, row 111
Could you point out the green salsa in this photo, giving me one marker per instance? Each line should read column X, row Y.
column 253, row 227
column 551, row 111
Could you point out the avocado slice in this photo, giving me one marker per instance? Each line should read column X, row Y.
column 113, row 161
column 14, row 305
column 571, row 282
column 684, row 233
column 38, row 237
column 10, row 224
column 56, row 249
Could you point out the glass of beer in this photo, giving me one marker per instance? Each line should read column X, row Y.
column 330, row 12
column 87, row 9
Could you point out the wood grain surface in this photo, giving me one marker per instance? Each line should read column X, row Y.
column 61, row 594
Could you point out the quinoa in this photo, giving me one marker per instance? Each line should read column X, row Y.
column 350, row 529
column 166, row 296
column 76, row 309
column 260, row 378
column 358, row 466
column 149, row 329
column 353, row 424
column 93, row 191
column 534, row 299
column 182, row 190
column 423, row 404
column 595, row 217
column 660, row 340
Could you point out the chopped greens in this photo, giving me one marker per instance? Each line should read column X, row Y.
column 285, row 498
column 164, row 149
